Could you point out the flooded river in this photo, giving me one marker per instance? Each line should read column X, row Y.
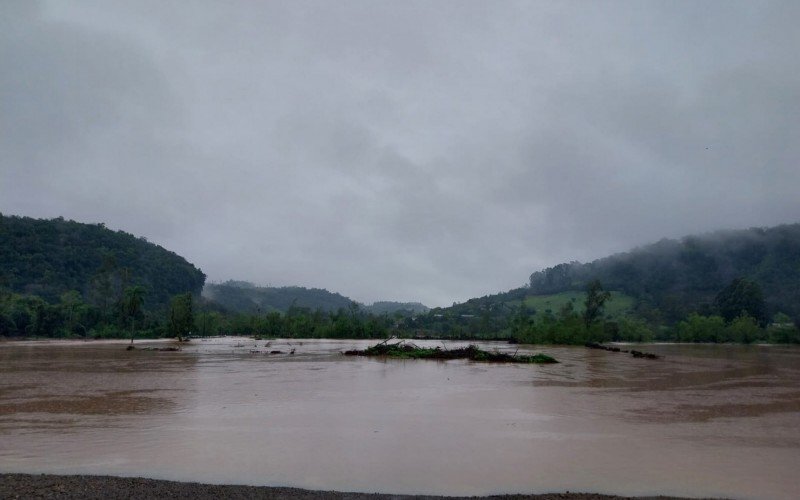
column 702, row 421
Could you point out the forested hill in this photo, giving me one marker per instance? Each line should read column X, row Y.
column 50, row 257
column 243, row 297
column 389, row 307
column 672, row 278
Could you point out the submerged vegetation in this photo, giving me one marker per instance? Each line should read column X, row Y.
column 632, row 352
column 408, row 350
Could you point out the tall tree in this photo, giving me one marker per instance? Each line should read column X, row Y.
column 70, row 303
column 133, row 299
column 596, row 298
column 181, row 316
column 742, row 295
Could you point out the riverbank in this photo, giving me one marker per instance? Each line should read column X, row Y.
column 101, row 487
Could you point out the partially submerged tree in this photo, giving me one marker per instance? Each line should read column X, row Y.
column 134, row 297
column 181, row 316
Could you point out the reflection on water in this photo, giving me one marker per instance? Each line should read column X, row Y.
column 705, row 420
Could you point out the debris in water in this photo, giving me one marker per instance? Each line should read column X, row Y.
column 635, row 354
column 409, row 350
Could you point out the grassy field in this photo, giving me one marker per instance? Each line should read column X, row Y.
column 619, row 305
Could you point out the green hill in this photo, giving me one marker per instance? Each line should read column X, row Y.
column 244, row 297
column 673, row 278
column 653, row 289
column 49, row 257
column 389, row 307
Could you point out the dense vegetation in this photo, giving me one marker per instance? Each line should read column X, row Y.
column 65, row 279
column 388, row 307
column 729, row 286
column 297, row 322
column 47, row 258
column 244, row 297
column 672, row 279
column 72, row 317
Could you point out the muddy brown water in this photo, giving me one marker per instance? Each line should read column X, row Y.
column 702, row 421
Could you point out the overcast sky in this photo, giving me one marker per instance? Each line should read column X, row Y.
column 430, row 151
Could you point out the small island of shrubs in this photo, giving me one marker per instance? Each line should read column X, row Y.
column 408, row 350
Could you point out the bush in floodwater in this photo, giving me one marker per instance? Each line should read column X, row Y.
column 472, row 352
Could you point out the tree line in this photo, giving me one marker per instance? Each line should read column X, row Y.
column 737, row 313
column 738, row 317
column 24, row 315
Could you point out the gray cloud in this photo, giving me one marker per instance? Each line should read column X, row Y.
column 400, row 150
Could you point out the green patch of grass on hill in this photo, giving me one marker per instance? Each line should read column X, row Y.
column 619, row 305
